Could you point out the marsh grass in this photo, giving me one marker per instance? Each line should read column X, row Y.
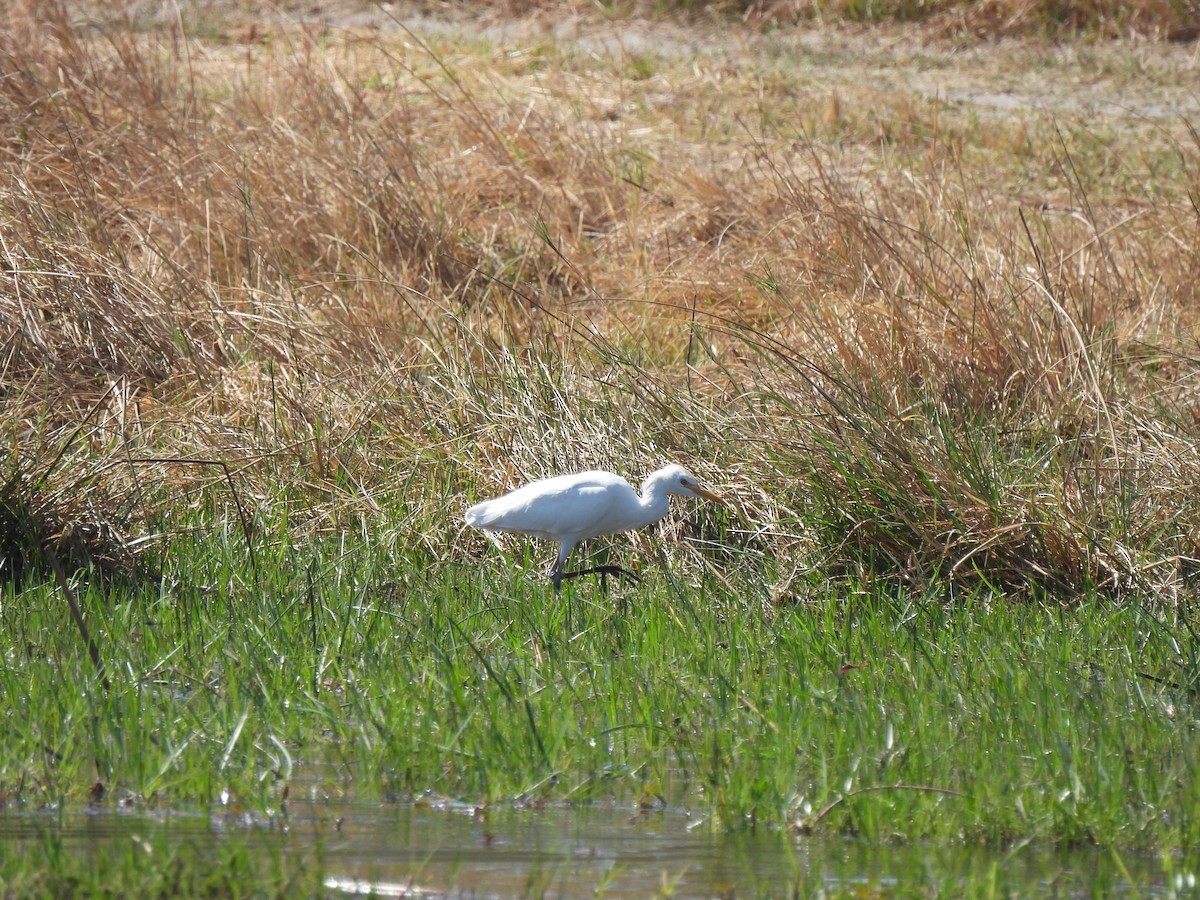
column 1007, row 721
column 275, row 311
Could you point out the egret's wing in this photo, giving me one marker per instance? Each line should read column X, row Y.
column 570, row 505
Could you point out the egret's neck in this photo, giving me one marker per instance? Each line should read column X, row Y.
column 655, row 501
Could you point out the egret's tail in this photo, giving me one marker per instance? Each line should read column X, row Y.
column 476, row 516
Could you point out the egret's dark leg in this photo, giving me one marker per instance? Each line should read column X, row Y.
column 557, row 577
column 556, row 574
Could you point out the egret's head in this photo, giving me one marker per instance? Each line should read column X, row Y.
column 678, row 480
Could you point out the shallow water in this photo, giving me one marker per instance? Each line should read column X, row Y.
column 448, row 850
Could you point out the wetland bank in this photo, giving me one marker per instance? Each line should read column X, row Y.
column 285, row 291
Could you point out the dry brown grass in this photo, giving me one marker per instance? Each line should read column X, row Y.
column 1170, row 19
column 361, row 269
column 1175, row 20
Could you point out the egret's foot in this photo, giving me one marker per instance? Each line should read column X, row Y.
column 602, row 571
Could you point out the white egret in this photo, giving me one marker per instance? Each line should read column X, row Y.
column 572, row 508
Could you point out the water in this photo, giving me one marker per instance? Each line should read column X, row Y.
column 450, row 850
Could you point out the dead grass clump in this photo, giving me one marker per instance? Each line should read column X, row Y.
column 47, row 532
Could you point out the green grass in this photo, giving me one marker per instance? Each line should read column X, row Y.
column 1041, row 721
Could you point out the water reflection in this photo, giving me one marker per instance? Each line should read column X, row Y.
column 448, row 850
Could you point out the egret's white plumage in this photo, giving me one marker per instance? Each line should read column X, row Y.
column 572, row 508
